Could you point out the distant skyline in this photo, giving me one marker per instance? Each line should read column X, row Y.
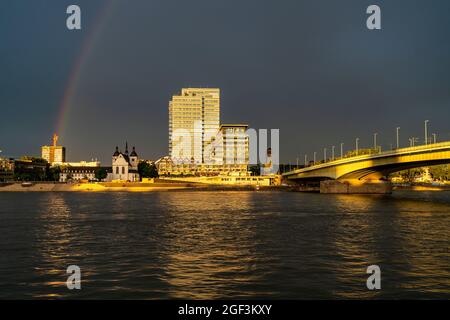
column 309, row 68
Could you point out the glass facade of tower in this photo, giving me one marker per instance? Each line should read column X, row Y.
column 194, row 119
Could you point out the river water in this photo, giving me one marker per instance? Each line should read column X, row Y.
column 207, row 245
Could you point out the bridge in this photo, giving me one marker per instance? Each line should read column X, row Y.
column 359, row 171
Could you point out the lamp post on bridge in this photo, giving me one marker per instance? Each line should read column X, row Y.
column 413, row 141
column 332, row 152
column 375, row 141
column 342, row 150
column 315, row 157
column 357, row 147
column 398, row 138
column 306, row 160
column 426, row 131
column 434, row 137
column 324, row 154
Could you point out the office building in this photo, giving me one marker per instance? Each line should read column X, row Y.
column 194, row 119
column 54, row 154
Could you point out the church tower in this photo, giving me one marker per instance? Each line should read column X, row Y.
column 116, row 154
column 134, row 160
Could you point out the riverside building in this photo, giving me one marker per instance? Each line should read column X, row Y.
column 54, row 154
column 198, row 144
column 194, row 119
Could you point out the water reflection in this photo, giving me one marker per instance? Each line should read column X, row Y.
column 355, row 232
column 407, row 238
column 53, row 239
column 224, row 245
column 209, row 253
column 424, row 235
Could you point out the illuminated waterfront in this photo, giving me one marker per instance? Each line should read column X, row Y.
column 224, row 244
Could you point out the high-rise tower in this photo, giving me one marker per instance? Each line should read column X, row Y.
column 194, row 119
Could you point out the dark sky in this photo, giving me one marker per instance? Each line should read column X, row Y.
column 310, row 68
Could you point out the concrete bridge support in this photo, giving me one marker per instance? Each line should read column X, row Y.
column 355, row 186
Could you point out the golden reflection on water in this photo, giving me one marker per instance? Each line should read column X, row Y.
column 238, row 244
column 427, row 263
column 210, row 255
column 402, row 236
column 53, row 242
column 354, row 245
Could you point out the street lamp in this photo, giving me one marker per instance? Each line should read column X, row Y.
column 426, row 131
column 357, row 141
column 342, row 150
column 398, row 140
column 434, row 139
column 306, row 160
column 315, row 157
column 324, row 154
column 332, row 152
column 375, row 141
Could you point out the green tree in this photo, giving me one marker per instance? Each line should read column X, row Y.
column 410, row 174
column 52, row 173
column 147, row 170
column 440, row 172
column 101, row 174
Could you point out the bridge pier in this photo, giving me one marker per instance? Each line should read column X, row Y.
column 355, row 186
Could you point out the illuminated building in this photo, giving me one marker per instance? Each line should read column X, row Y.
column 230, row 148
column 80, row 173
column 6, row 169
column 198, row 144
column 227, row 155
column 54, row 154
column 93, row 163
column 194, row 118
column 124, row 166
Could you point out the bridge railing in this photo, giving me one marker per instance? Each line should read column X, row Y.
column 373, row 155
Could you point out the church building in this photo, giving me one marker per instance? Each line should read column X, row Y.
column 124, row 166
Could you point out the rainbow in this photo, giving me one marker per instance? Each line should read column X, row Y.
column 78, row 67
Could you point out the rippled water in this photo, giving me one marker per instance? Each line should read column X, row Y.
column 224, row 245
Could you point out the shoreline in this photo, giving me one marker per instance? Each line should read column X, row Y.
column 130, row 187
column 421, row 188
column 169, row 186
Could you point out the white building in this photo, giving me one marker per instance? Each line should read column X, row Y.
column 194, row 119
column 79, row 173
column 93, row 163
column 228, row 155
column 124, row 166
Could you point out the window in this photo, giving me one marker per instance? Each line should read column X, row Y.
column 123, row 170
column 117, row 170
